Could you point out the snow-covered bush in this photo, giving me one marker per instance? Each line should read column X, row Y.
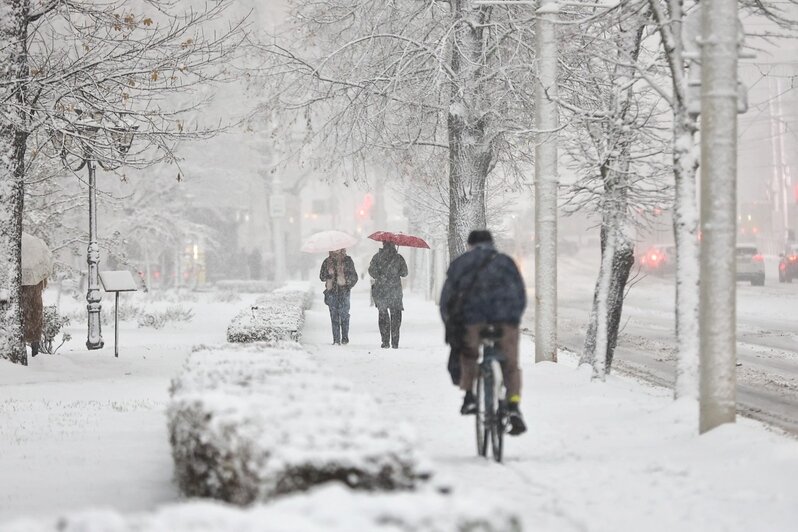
column 250, row 424
column 329, row 509
column 157, row 319
column 274, row 317
column 226, row 296
column 246, row 286
column 52, row 323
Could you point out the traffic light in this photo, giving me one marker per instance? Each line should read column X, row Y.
column 364, row 208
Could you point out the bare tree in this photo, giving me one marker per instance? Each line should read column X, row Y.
column 614, row 145
column 121, row 65
column 415, row 81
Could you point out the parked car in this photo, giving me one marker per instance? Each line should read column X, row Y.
column 658, row 260
column 750, row 265
column 788, row 264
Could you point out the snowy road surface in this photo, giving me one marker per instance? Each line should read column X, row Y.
column 767, row 332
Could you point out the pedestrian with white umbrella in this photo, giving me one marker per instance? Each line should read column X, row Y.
column 37, row 265
column 338, row 275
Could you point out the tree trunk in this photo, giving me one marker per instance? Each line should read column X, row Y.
column 13, row 68
column 685, row 233
column 470, row 152
column 617, row 259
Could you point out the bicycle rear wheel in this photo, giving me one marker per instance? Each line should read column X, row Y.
column 497, row 415
column 481, row 421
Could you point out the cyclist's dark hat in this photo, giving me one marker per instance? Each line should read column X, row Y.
column 480, row 236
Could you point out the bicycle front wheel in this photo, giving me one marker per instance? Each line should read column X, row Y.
column 497, row 414
column 481, row 421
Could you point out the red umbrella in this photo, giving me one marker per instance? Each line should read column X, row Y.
column 400, row 239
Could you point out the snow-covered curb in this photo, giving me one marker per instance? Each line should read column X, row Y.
column 329, row 509
column 249, row 423
column 275, row 317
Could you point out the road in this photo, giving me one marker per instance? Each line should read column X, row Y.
column 767, row 334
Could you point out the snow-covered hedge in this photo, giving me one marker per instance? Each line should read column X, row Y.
column 274, row 317
column 245, row 285
column 251, row 423
column 330, row 509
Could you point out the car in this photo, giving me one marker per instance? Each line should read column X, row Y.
column 750, row 264
column 658, row 260
column 788, row 264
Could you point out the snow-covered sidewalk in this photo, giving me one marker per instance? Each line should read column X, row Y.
column 614, row 456
column 82, row 429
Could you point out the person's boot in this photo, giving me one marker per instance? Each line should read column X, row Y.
column 469, row 404
column 517, row 425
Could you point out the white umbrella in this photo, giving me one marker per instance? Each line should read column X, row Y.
column 328, row 241
column 37, row 261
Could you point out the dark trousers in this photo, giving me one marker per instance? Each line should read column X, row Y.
column 339, row 315
column 390, row 321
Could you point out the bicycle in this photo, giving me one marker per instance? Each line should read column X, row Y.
column 491, row 418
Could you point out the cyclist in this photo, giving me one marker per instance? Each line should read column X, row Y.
column 484, row 286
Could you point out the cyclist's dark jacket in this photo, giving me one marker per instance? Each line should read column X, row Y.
column 497, row 295
column 387, row 267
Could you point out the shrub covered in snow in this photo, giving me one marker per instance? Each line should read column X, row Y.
column 249, row 424
column 158, row 318
column 274, row 317
column 252, row 286
column 330, row 509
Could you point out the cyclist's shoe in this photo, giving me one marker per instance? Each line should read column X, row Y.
column 344, row 341
column 469, row 404
column 516, row 420
column 385, row 345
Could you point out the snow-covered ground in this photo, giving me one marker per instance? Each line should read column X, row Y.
column 767, row 334
column 614, row 456
column 81, row 429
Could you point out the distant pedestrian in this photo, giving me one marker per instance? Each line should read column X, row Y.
column 339, row 276
column 32, row 315
column 387, row 268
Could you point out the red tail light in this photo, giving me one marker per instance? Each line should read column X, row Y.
column 654, row 257
column 758, row 258
column 793, row 258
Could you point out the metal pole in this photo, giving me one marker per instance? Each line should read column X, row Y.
column 546, row 182
column 718, row 213
column 116, row 325
column 93, row 297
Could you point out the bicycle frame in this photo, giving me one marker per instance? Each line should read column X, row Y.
column 491, row 422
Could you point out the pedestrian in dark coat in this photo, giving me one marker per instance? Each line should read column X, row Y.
column 485, row 287
column 32, row 315
column 339, row 276
column 387, row 268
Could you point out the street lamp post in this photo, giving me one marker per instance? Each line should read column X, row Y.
column 81, row 141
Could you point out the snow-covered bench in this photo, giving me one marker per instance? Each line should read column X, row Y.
column 329, row 509
column 276, row 316
column 247, row 423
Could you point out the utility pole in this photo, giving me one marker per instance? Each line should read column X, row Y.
column 546, row 182
column 546, row 175
column 719, row 107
